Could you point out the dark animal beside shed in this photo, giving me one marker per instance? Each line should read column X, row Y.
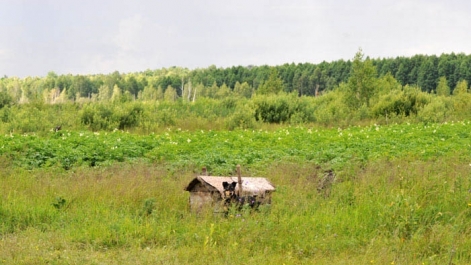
column 248, row 200
column 229, row 189
column 232, row 199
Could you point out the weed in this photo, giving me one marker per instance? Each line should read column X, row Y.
column 148, row 207
column 59, row 203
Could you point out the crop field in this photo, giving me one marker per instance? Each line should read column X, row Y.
column 221, row 151
column 401, row 196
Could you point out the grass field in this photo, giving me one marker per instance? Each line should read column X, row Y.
column 405, row 205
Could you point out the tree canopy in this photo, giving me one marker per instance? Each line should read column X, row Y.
column 306, row 79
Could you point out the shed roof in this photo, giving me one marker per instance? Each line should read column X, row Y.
column 250, row 186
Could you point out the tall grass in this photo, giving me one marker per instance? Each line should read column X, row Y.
column 385, row 212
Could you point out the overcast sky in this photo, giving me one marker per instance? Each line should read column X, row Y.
column 102, row 36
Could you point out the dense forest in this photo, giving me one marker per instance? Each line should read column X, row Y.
column 340, row 92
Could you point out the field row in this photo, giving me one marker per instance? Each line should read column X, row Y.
column 220, row 151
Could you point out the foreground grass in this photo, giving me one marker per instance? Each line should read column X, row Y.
column 385, row 212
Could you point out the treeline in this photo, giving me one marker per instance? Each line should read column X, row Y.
column 305, row 79
column 365, row 91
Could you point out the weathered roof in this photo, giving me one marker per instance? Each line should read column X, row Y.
column 250, row 186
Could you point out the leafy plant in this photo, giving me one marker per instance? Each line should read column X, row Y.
column 59, row 203
column 148, row 207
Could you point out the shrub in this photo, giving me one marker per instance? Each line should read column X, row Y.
column 243, row 118
column 165, row 117
column 5, row 99
column 436, row 111
column 274, row 108
column 128, row 116
column 6, row 115
column 405, row 102
column 99, row 116
column 330, row 108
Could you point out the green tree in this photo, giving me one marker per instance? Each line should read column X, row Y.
column 159, row 95
column 5, row 99
column 388, row 83
column 13, row 88
column 442, row 88
column 465, row 69
column 362, row 81
column 83, row 86
column 461, row 98
column 427, row 75
column 63, row 96
column 223, row 92
column 187, row 91
column 131, row 85
column 401, row 74
column 63, row 82
column 170, row 94
column 273, row 85
column 301, row 82
column 50, row 81
column 104, row 93
column 387, row 67
column 461, row 88
column 149, row 93
column 116, row 96
column 211, row 91
column 446, row 68
column 126, row 97
column 243, row 90
column 198, row 91
column 318, row 80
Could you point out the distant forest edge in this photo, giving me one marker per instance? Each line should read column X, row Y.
column 425, row 87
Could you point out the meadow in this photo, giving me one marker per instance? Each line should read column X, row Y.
column 401, row 196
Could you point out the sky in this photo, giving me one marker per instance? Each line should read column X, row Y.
column 103, row 36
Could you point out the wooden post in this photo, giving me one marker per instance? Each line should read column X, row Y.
column 239, row 179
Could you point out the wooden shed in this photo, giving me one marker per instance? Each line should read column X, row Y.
column 209, row 191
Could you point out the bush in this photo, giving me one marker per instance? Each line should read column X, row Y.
column 274, row 108
column 5, row 99
column 243, row 118
column 99, row 116
column 362, row 113
column 406, row 102
column 6, row 115
column 462, row 104
column 165, row 117
column 436, row 111
column 330, row 108
column 128, row 116
column 109, row 116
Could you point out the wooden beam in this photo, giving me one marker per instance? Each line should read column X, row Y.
column 239, row 179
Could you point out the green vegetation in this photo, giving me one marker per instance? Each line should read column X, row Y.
column 221, row 151
column 401, row 196
column 108, row 187
column 305, row 79
column 338, row 94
